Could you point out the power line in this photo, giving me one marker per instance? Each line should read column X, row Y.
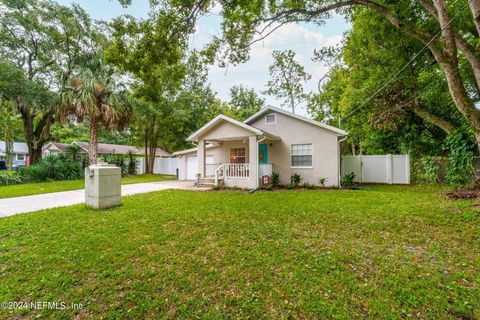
column 406, row 65
column 434, row 84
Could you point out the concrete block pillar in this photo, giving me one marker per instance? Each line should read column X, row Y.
column 201, row 157
column 253, row 160
column 103, row 187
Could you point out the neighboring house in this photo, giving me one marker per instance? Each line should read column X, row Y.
column 103, row 149
column 20, row 153
column 241, row 153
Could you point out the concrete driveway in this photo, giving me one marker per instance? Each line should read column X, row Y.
column 12, row 206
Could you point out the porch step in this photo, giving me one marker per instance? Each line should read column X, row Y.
column 207, row 182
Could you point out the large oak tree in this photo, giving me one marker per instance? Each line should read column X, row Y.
column 41, row 39
column 447, row 31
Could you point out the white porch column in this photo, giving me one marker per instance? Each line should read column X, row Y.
column 201, row 157
column 253, row 160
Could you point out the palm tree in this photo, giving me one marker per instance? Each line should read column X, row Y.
column 91, row 93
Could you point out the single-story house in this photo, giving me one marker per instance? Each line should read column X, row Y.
column 240, row 154
column 20, row 153
column 103, row 149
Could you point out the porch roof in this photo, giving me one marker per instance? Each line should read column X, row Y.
column 222, row 118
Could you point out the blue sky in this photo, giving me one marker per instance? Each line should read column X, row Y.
column 301, row 38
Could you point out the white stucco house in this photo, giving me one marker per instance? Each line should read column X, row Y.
column 241, row 153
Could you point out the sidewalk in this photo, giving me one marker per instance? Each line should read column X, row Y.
column 12, row 206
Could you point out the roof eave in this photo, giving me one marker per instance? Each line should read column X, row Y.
column 194, row 136
column 293, row 115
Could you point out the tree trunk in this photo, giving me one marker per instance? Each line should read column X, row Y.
column 426, row 115
column 35, row 155
column 433, row 119
column 146, row 151
column 9, row 151
column 151, row 138
column 446, row 57
column 152, row 150
column 8, row 139
column 461, row 98
column 36, row 135
column 475, row 7
column 93, row 141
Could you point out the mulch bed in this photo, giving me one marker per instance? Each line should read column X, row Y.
column 282, row 189
column 463, row 194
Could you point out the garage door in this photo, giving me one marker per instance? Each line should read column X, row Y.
column 192, row 166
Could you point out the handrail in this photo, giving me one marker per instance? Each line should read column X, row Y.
column 216, row 173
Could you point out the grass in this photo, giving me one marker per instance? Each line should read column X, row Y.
column 28, row 189
column 390, row 252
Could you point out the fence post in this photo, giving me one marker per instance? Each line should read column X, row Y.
column 360, row 164
column 407, row 166
column 389, row 169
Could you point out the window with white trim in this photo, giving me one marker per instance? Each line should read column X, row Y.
column 20, row 157
column 302, row 155
column 271, row 118
column 237, row 155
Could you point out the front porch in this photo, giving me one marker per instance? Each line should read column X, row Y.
column 242, row 154
column 232, row 170
column 232, row 174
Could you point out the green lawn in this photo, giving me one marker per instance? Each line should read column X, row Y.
column 390, row 252
column 28, row 189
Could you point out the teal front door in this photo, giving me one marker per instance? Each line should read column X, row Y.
column 262, row 153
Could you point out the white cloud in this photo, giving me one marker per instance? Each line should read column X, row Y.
column 254, row 73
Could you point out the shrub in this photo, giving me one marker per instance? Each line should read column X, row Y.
column 290, row 186
column 307, row 185
column 118, row 160
column 7, row 179
column 461, row 169
column 275, row 179
column 348, row 180
column 296, row 179
column 52, row 167
column 322, row 181
column 430, row 170
column 132, row 163
column 268, row 187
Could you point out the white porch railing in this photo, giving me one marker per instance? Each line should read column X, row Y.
column 237, row 170
column 232, row 171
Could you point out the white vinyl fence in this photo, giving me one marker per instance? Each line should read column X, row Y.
column 161, row 165
column 391, row 169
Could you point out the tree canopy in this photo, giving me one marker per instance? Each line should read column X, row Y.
column 39, row 40
column 287, row 79
column 448, row 31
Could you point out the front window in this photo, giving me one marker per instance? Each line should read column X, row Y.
column 302, row 155
column 237, row 155
column 20, row 157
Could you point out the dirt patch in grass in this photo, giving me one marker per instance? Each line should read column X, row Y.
column 463, row 194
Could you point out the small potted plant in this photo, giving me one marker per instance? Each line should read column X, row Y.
column 198, row 175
